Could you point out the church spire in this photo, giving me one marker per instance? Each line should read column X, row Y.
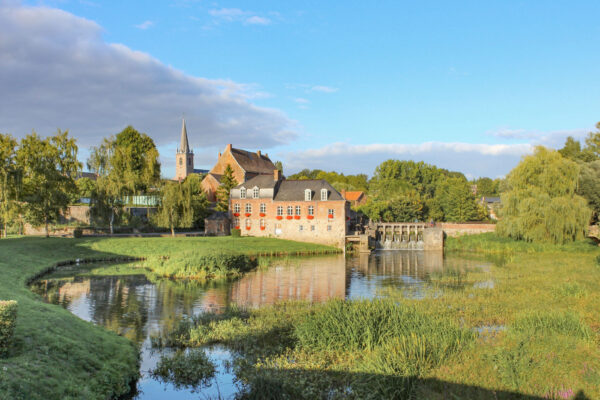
column 184, row 146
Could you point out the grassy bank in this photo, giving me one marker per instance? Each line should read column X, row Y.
column 58, row 356
column 524, row 325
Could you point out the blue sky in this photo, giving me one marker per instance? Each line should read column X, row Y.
column 470, row 86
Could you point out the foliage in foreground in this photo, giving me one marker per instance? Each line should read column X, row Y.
column 8, row 319
column 185, row 369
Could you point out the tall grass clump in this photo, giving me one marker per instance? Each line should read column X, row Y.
column 403, row 340
column 201, row 264
column 548, row 323
column 8, row 319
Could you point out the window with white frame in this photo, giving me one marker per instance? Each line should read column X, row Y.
column 290, row 210
column 236, row 208
column 331, row 213
column 311, row 210
column 328, row 227
column 312, row 227
column 248, row 223
column 263, row 208
column 262, row 223
column 236, row 222
column 323, row 194
column 300, row 228
column 279, row 210
column 307, row 195
column 255, row 193
column 242, row 193
column 248, row 208
column 298, row 210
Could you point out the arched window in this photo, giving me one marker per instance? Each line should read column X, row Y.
column 255, row 193
column 323, row 194
column 181, row 161
column 307, row 195
column 242, row 193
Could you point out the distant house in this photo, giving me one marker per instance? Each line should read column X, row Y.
column 492, row 204
column 356, row 198
column 217, row 224
column 90, row 175
column 245, row 164
column 303, row 210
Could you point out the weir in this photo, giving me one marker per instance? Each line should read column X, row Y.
column 398, row 236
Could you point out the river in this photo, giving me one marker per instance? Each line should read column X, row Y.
column 136, row 307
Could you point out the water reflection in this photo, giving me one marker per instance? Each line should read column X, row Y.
column 138, row 307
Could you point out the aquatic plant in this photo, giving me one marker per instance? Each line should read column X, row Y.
column 185, row 369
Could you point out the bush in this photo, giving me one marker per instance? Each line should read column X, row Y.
column 201, row 265
column 8, row 318
column 77, row 232
column 236, row 232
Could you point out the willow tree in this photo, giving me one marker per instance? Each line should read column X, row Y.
column 540, row 203
column 183, row 205
column 126, row 164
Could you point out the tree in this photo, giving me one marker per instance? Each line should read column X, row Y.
column 540, row 203
column 457, row 202
column 228, row 182
column 126, row 164
column 589, row 186
column 487, row 187
column 9, row 179
column 592, row 144
column 49, row 169
column 279, row 166
column 183, row 205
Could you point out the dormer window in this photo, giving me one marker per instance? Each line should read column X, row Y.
column 307, row 195
column 242, row 193
column 323, row 194
column 255, row 193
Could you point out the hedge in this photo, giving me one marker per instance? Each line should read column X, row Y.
column 8, row 319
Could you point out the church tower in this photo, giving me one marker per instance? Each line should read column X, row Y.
column 184, row 158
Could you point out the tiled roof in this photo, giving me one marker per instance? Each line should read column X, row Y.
column 353, row 196
column 252, row 162
column 262, row 181
column 293, row 190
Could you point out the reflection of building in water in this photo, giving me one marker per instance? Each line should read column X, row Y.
column 71, row 291
column 313, row 279
column 417, row 264
column 214, row 300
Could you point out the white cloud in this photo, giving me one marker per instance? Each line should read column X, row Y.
column 471, row 159
column 256, row 20
column 145, row 25
column 238, row 15
column 553, row 139
column 61, row 74
column 301, row 100
column 324, row 89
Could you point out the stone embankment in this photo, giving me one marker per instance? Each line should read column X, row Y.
column 455, row 229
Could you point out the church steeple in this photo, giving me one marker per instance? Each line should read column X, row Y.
column 184, row 158
column 184, row 146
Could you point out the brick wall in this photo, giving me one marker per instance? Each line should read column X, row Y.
column 321, row 229
column 454, row 230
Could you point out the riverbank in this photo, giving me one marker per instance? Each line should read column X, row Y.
column 57, row 355
column 525, row 325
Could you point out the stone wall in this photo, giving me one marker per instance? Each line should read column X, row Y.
column 455, row 229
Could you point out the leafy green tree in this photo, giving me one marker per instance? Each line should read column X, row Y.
column 540, row 203
column 405, row 207
column 338, row 181
column 49, row 169
column 228, row 182
column 457, row 201
column 592, row 145
column 199, row 202
column 589, row 186
column 126, row 164
column 487, row 187
column 393, row 176
column 183, row 205
column 9, row 179
column 279, row 166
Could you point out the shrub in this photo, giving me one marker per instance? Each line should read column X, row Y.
column 185, row 369
column 236, row 232
column 201, row 265
column 8, row 318
column 77, row 232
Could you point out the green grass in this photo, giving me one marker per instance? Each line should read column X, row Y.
column 55, row 355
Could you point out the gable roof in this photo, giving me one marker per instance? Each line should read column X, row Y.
column 253, row 162
column 262, row 181
column 293, row 190
column 353, row 196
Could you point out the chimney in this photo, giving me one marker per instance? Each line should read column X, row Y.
column 276, row 175
column 258, row 153
column 228, row 147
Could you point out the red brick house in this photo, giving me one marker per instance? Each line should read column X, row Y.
column 302, row 210
column 357, row 198
column 245, row 164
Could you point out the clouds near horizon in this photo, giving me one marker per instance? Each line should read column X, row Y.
column 57, row 72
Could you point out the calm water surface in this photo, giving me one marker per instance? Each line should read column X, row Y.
column 138, row 308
